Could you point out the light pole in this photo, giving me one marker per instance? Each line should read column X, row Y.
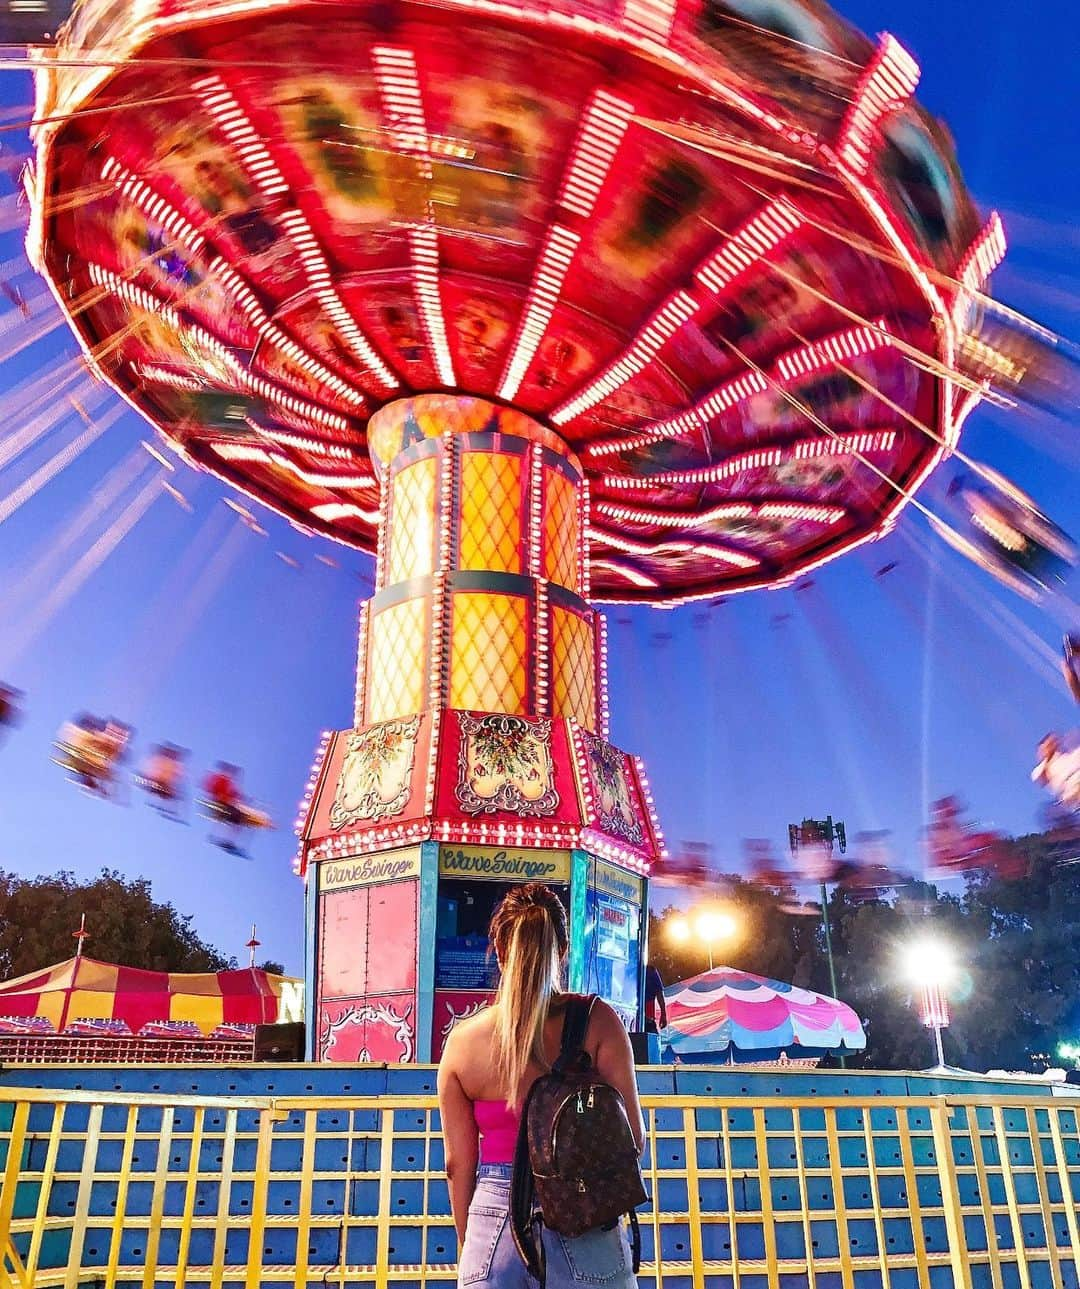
column 821, row 834
column 930, row 967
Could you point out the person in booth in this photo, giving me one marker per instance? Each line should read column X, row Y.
column 488, row 1065
column 655, row 1003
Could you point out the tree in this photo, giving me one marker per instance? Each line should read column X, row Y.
column 1018, row 992
column 769, row 942
column 125, row 925
column 274, row 968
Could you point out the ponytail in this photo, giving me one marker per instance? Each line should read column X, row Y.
column 529, row 934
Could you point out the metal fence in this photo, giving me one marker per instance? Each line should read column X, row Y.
column 87, row 1049
column 847, row 1193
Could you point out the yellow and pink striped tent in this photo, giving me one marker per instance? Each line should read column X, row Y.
column 83, row 988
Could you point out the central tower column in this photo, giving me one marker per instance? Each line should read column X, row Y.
column 479, row 753
column 481, row 587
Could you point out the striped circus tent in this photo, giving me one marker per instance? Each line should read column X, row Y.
column 83, row 989
column 724, row 1015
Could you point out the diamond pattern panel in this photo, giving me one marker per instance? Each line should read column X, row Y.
column 491, row 512
column 560, row 531
column 487, row 669
column 572, row 675
column 412, row 522
column 397, row 675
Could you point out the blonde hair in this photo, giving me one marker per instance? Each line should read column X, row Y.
column 529, row 934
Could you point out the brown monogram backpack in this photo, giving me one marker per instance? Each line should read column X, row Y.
column 576, row 1165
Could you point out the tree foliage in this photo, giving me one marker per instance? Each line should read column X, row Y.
column 1016, row 996
column 125, row 925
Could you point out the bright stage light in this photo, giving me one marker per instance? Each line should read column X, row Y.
column 679, row 930
column 712, row 926
column 929, row 962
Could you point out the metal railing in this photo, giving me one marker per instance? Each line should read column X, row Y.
column 853, row 1193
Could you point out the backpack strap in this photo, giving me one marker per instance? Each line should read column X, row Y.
column 524, row 1215
column 635, row 1241
column 575, row 1027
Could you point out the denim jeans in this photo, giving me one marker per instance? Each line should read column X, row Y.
column 489, row 1256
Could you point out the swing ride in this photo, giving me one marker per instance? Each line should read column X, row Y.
column 612, row 303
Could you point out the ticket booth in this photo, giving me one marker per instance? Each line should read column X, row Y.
column 398, row 949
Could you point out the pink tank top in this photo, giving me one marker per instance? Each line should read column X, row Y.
column 498, row 1131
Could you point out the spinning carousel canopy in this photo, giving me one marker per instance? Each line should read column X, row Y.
column 713, row 245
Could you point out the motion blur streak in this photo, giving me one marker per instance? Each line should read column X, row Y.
column 27, row 435
column 58, row 550
column 45, row 474
column 88, row 564
column 178, row 610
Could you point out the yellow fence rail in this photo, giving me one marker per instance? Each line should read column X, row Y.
column 780, row 1193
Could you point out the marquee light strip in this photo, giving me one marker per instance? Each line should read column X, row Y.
column 329, row 511
column 423, row 242
column 797, row 511
column 403, row 112
column 980, row 260
column 269, row 331
column 170, row 379
column 851, row 343
column 243, row 452
column 602, row 130
column 361, row 663
column 821, row 354
column 399, row 88
column 547, row 284
column 251, row 381
column 653, row 18
column 258, row 163
column 314, row 447
column 153, row 205
column 650, row 340
column 254, row 453
column 603, row 704
column 233, row 123
column 318, row 275
column 156, row 207
column 887, row 82
column 303, row 810
column 266, row 456
column 650, row 804
column 761, row 234
column 655, row 549
column 627, row 571
column 859, row 443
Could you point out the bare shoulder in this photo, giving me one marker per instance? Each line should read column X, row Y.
column 605, row 1023
column 605, row 1016
column 464, row 1038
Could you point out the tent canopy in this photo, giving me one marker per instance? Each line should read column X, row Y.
column 83, row 988
column 733, row 1015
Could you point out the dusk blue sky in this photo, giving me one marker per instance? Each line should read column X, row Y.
column 875, row 697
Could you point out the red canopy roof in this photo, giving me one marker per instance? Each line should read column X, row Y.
column 82, row 988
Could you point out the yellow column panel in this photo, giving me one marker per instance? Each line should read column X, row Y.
column 491, row 505
column 489, row 647
column 414, row 506
column 397, row 666
column 561, row 530
column 573, row 681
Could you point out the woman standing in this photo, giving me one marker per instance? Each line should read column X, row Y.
column 488, row 1065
